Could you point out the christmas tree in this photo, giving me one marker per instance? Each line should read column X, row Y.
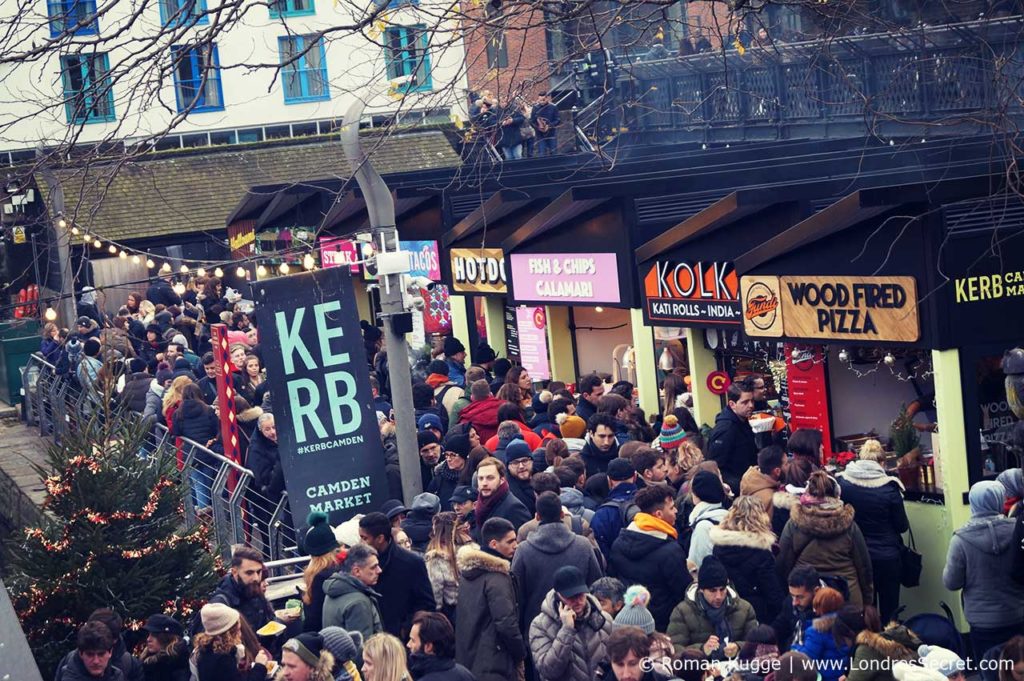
column 113, row 536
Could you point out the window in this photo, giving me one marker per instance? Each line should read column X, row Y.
column 292, row 8
column 182, row 12
column 66, row 15
column 304, row 69
column 197, row 78
column 497, row 52
column 88, row 95
column 407, row 56
column 395, row 4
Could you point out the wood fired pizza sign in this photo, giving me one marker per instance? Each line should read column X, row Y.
column 846, row 308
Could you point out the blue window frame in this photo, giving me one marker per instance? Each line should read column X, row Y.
column 65, row 15
column 303, row 69
column 292, row 8
column 183, row 12
column 407, row 54
column 88, row 95
column 197, row 78
column 395, row 4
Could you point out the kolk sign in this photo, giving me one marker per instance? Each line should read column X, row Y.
column 692, row 293
column 478, row 270
column 327, row 435
column 588, row 278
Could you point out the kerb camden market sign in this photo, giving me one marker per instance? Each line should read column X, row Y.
column 327, row 434
column 850, row 308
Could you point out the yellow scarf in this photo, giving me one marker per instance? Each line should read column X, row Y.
column 648, row 522
column 350, row 667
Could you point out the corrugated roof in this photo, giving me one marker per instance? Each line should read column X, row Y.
column 196, row 192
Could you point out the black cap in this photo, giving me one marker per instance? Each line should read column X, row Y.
column 83, row 321
column 453, row 346
column 438, row 366
column 426, row 437
column 459, row 444
column 569, row 582
column 164, row 624
column 708, row 487
column 620, row 469
column 393, row 507
column 712, row 574
column 462, row 494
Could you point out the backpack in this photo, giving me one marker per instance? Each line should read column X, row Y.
column 627, row 510
column 686, row 536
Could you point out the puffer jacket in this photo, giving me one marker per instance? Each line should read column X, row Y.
column 820, row 645
column 874, row 654
column 564, row 654
column 196, row 421
column 135, row 388
column 747, row 557
column 657, row 561
column 689, row 626
column 351, row 605
column 980, row 561
column 482, row 415
column 881, row 516
column 754, row 483
column 703, row 517
column 488, row 641
column 825, row 537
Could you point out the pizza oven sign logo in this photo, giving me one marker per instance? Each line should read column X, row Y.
column 762, row 306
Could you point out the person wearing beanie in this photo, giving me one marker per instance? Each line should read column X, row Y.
column 712, row 618
column 484, row 357
column 304, row 658
column 395, row 510
column 647, row 552
column 429, row 443
column 941, row 660
column 731, row 443
column 635, row 613
column 136, row 385
column 345, row 646
column 519, row 462
column 219, row 653
column 446, row 391
column 572, row 428
column 549, row 547
column 708, row 495
column 501, row 369
column 671, row 435
column 421, row 519
column 321, row 545
column 617, row 511
column 568, row 636
column 152, row 348
column 980, row 562
column 455, row 357
column 88, row 371
column 446, row 474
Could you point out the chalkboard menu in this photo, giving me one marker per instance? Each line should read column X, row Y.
column 512, row 335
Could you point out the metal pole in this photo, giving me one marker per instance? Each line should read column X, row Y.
column 381, row 208
column 39, row 283
column 66, row 302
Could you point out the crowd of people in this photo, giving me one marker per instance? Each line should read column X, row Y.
column 562, row 535
column 517, row 128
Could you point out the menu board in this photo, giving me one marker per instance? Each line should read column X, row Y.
column 511, row 335
column 533, row 341
column 808, row 392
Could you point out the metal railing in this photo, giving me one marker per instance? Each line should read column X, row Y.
column 218, row 492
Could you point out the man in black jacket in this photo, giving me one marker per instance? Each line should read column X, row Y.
column 601, row 446
column 161, row 293
column 267, row 485
column 432, row 649
column 545, row 119
column 495, row 499
column 591, row 389
column 208, row 384
column 731, row 444
column 242, row 590
column 796, row 613
column 403, row 585
column 136, row 385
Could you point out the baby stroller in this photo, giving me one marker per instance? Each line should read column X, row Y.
column 935, row 629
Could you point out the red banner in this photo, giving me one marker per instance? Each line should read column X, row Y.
column 808, row 392
column 226, row 398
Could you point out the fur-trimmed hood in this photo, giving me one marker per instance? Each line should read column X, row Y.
column 785, row 500
column 824, row 624
column 250, row 414
column 472, row 561
column 825, row 520
column 896, row 642
column 324, row 667
column 755, row 540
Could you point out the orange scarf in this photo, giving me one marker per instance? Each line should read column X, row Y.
column 648, row 522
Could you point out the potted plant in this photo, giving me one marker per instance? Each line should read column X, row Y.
column 906, row 445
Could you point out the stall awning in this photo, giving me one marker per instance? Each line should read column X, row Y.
column 344, row 208
column 281, row 204
column 567, row 206
column 721, row 213
column 502, row 203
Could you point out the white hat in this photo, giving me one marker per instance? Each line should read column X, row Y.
column 348, row 532
column 942, row 660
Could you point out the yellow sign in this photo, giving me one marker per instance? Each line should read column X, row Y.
column 989, row 286
column 241, row 240
column 19, row 235
column 478, row 270
column 837, row 308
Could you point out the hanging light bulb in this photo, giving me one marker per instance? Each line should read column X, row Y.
column 844, row 355
column 308, row 261
column 62, row 223
column 201, row 272
column 240, row 272
column 75, row 231
column 261, row 271
column 889, row 359
column 112, row 248
column 218, row 273
column 149, row 263
column 598, row 309
column 183, row 269
column 97, row 243
column 284, row 268
column 179, row 288
column 136, row 260
column 666, row 361
column 166, row 267
column 50, row 314
column 123, row 255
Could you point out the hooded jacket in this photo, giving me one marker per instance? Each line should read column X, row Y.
column 980, row 561
column 169, row 665
column 488, row 640
column 747, row 557
column 878, row 501
column 154, row 403
column 596, row 460
column 433, row 668
column 572, row 499
column 483, row 416
column 703, row 517
column 825, row 537
column 754, row 483
column 528, row 436
column 732, row 446
column 549, row 547
column 656, row 560
column 607, row 521
column 351, row 605
column 135, row 388
column 561, row 653
column 196, row 421
column 820, row 645
column 689, row 626
column 875, row 653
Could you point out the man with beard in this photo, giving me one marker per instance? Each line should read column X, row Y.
column 242, row 588
column 432, row 649
column 519, row 459
column 494, row 499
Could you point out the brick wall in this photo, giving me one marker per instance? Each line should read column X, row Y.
column 524, row 34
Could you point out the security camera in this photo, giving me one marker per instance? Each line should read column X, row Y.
column 415, row 284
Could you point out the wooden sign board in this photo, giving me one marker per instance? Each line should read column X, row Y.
column 762, row 309
column 478, row 270
column 851, row 308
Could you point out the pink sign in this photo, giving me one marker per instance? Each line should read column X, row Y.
column 532, row 324
column 338, row 252
column 565, row 277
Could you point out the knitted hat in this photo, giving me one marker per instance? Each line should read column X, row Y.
column 91, row 347
column 438, row 366
column 348, row 532
column 179, row 340
column 307, row 646
column 344, row 645
column 453, row 346
column 426, row 502
column 83, row 321
column 571, row 426
column 393, row 507
column 458, row 444
column 136, row 365
column 426, row 437
column 635, row 612
column 429, row 421
column 218, row 618
column 672, row 434
column 620, row 469
column 569, row 582
column 517, row 449
column 708, row 487
column 155, row 328
column 164, row 375
column 944, row 661
column 319, row 539
column 484, row 353
column 712, row 574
